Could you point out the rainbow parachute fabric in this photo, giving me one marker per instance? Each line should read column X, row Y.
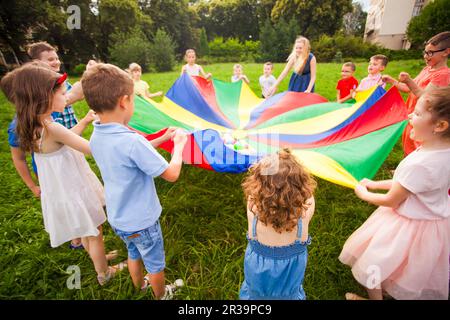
column 230, row 127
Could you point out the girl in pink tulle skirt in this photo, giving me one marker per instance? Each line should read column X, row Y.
column 403, row 247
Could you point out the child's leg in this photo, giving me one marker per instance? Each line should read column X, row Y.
column 136, row 271
column 96, row 250
column 375, row 294
column 157, row 281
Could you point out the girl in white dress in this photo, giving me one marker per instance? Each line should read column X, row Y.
column 403, row 247
column 191, row 68
column 71, row 194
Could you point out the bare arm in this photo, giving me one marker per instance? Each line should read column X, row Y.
column 83, row 123
column 244, row 77
column 75, row 94
column 206, row 75
column 166, row 136
column 400, row 86
column 348, row 97
column 173, row 171
column 310, row 211
column 313, row 65
column 284, row 73
column 413, row 87
column 183, row 68
column 20, row 163
column 152, row 95
column 393, row 198
column 271, row 91
column 62, row 135
column 377, row 185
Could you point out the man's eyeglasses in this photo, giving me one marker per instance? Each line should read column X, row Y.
column 430, row 53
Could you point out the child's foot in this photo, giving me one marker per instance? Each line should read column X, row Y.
column 171, row 288
column 110, row 273
column 353, row 296
column 112, row 255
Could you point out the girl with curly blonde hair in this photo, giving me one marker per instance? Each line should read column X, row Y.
column 280, row 204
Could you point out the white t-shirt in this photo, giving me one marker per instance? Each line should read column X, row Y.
column 235, row 78
column 426, row 174
column 192, row 70
column 266, row 83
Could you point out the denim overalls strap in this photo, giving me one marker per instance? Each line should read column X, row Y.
column 255, row 220
column 299, row 229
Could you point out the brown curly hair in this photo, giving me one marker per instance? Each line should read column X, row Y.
column 280, row 198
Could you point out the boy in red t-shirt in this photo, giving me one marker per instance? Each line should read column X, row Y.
column 348, row 84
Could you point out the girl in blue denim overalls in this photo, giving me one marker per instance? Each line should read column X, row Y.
column 280, row 204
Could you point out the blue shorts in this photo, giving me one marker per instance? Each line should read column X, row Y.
column 146, row 244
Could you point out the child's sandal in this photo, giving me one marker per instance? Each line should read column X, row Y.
column 111, row 272
column 353, row 296
column 146, row 284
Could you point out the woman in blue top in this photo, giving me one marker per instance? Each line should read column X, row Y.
column 280, row 204
column 303, row 63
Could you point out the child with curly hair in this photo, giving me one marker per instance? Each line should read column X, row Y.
column 279, row 194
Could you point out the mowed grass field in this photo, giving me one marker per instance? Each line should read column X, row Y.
column 203, row 220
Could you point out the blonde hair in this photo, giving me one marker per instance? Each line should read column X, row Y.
column 134, row 66
column 237, row 65
column 300, row 62
column 103, row 86
column 281, row 198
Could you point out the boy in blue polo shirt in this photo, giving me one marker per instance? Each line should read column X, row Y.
column 128, row 164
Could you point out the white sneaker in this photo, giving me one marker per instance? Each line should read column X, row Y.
column 171, row 288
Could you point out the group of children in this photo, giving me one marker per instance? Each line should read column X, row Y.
column 401, row 250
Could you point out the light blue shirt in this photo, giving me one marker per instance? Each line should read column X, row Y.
column 128, row 163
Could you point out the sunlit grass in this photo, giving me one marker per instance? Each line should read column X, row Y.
column 203, row 221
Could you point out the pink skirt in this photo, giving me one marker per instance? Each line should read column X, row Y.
column 407, row 258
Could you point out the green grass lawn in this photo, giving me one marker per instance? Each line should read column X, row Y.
column 203, row 221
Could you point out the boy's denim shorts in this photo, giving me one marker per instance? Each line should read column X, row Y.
column 146, row 244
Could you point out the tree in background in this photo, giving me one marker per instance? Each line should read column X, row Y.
column 229, row 19
column 355, row 21
column 203, row 49
column 17, row 20
column 314, row 17
column 163, row 51
column 176, row 17
column 278, row 39
column 131, row 46
column 433, row 19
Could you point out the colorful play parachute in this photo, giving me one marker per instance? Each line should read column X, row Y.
column 231, row 128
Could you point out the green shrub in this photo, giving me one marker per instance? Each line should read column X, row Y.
column 231, row 50
column 79, row 69
column 326, row 49
column 163, row 51
column 130, row 47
